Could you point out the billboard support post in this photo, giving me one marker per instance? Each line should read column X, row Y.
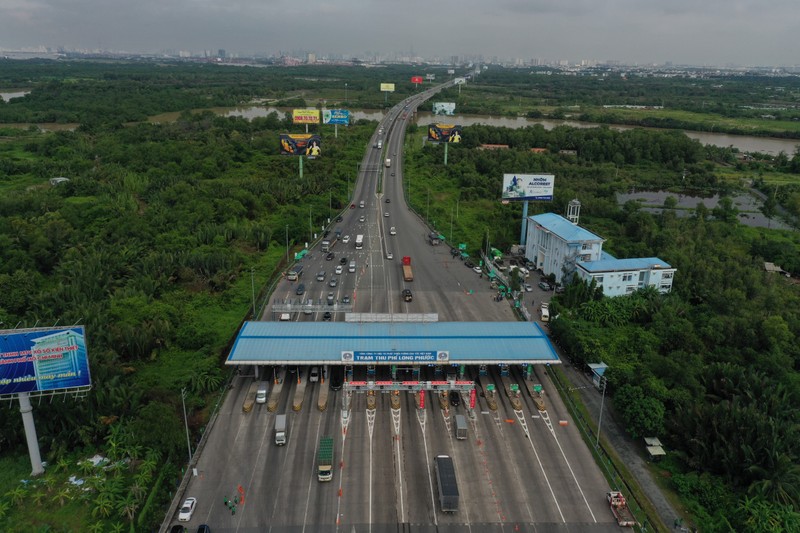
column 523, row 236
column 445, row 154
column 335, row 131
column 301, row 167
column 30, row 433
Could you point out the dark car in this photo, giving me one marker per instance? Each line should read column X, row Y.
column 346, row 299
column 388, row 201
column 202, row 528
column 339, row 218
column 454, row 252
column 337, row 378
column 301, row 289
column 469, row 264
column 343, row 261
column 327, row 316
column 407, row 295
column 329, row 257
column 455, row 398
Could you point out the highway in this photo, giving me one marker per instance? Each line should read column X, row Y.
column 518, row 470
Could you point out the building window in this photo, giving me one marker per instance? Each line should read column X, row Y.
column 630, row 290
column 665, row 287
column 642, row 275
column 667, row 275
column 586, row 246
column 599, row 280
column 627, row 277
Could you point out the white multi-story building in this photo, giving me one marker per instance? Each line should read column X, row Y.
column 560, row 247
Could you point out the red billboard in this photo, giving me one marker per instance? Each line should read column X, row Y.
column 416, row 79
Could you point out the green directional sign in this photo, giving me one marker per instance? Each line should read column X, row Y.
column 514, row 387
column 462, row 246
column 490, row 388
column 537, row 388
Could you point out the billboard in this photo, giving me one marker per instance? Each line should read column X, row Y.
column 444, row 108
column 387, row 87
column 528, row 186
column 460, row 81
column 305, row 116
column 428, row 356
column 444, row 133
column 416, row 79
column 336, row 116
column 451, row 71
column 50, row 359
column 301, row 144
column 430, row 77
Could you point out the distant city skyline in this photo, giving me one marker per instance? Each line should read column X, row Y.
column 714, row 32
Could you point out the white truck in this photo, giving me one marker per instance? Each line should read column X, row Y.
column 280, row 430
column 544, row 310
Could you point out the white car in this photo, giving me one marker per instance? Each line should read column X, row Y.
column 346, row 239
column 528, row 287
column 187, row 509
column 389, row 255
column 339, row 269
column 386, row 214
column 362, row 218
column 477, row 269
column 392, row 231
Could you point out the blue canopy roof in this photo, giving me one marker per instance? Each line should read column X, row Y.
column 260, row 343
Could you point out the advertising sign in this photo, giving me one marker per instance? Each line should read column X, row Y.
column 528, row 186
column 308, row 144
column 430, row 77
column 43, row 360
column 396, row 357
column 416, row 79
column 444, row 108
column 451, row 71
column 336, row 116
column 459, row 81
column 444, row 133
column 305, row 116
column 387, row 87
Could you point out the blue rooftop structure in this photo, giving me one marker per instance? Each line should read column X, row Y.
column 564, row 228
column 624, row 265
column 375, row 343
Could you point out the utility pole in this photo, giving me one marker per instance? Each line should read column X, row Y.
column 600, row 423
column 186, row 424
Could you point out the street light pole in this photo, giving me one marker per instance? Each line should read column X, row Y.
column 345, row 92
column 600, row 423
column 287, row 244
column 253, row 287
column 186, row 424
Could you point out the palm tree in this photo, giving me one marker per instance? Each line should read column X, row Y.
column 780, row 483
column 97, row 527
column 4, row 508
column 17, row 495
column 103, row 505
column 128, row 507
column 62, row 496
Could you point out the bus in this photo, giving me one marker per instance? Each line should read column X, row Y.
column 359, row 242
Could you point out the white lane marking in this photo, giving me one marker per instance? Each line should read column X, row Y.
column 250, row 483
column 421, row 420
column 371, row 425
column 549, row 486
column 308, row 494
column 345, row 421
column 546, row 416
column 396, row 420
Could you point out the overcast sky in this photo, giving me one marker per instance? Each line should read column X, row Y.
column 700, row 32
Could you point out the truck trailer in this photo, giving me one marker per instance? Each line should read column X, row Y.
column 325, row 459
column 446, row 481
column 408, row 275
column 280, row 430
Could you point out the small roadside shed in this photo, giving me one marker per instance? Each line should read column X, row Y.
column 598, row 369
column 655, row 449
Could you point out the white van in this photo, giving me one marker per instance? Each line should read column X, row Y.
column 285, row 317
column 352, row 267
column 261, row 393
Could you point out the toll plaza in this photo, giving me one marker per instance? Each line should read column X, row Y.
column 445, row 348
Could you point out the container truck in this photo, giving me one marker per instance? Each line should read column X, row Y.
column 446, row 482
column 619, row 506
column 280, row 430
column 325, row 459
column 407, row 274
column 461, row 427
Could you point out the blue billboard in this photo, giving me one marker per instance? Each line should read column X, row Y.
column 336, row 116
column 396, row 356
column 38, row 360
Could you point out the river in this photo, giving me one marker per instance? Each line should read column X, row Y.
column 745, row 143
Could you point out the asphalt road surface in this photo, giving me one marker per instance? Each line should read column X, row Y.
column 519, row 470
